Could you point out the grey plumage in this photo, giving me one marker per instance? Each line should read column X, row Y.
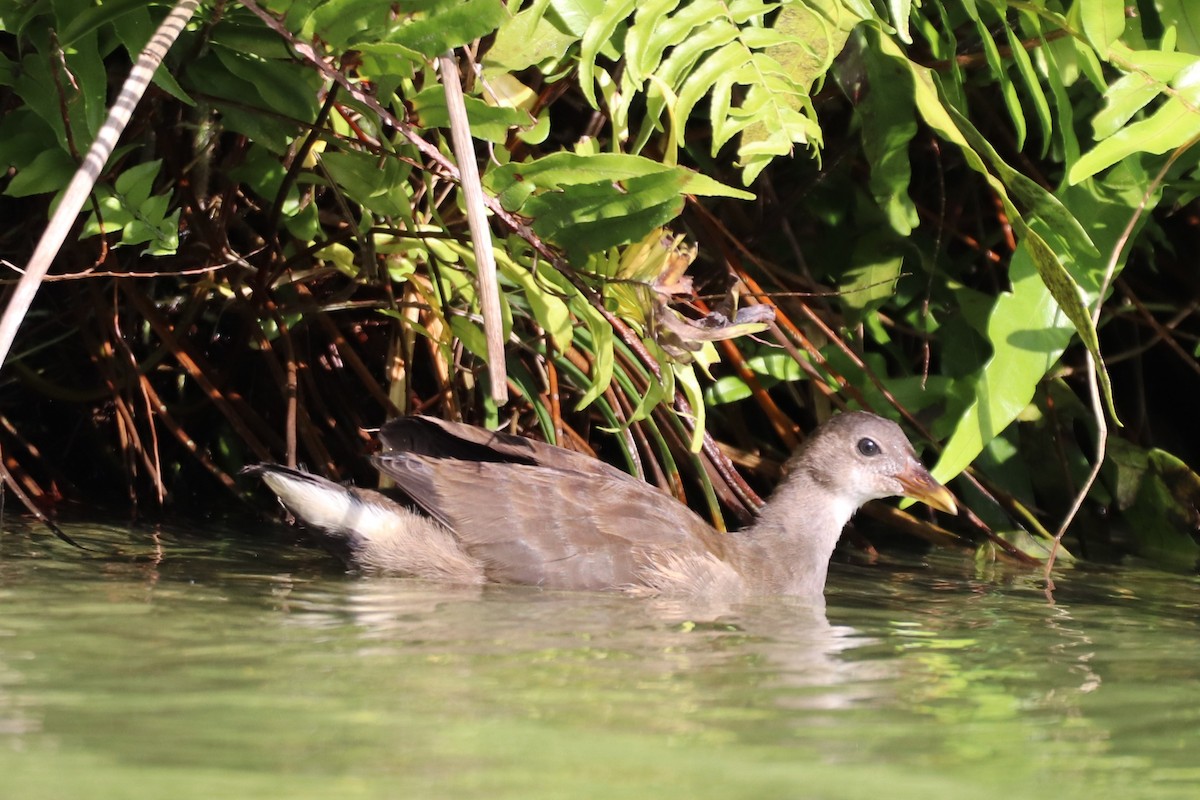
column 498, row 508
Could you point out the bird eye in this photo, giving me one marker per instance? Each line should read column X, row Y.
column 868, row 447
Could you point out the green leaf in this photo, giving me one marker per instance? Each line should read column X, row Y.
column 780, row 366
column 1054, row 74
column 530, row 38
column 888, row 127
column 134, row 30
column 726, row 389
column 1033, row 86
column 1103, row 22
column 900, row 9
column 454, row 25
column 592, row 219
column 601, row 338
column 1158, row 497
column 85, row 20
column 1174, row 124
column 874, row 270
column 377, row 183
column 1028, row 333
column 685, row 379
column 343, row 22
column 135, row 184
column 953, row 126
column 543, row 292
column 1152, row 73
column 590, row 203
column 49, row 171
column 599, row 31
column 558, row 171
column 490, row 123
column 285, row 87
column 577, row 15
column 1000, row 74
column 1066, row 294
column 1026, row 329
column 1184, row 16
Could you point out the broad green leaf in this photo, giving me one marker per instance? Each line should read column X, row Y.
column 84, row 19
column 726, row 389
column 549, row 310
column 1028, row 333
column 874, row 269
column 1174, row 124
column 1152, row 73
column 1103, row 22
column 1184, row 16
column 388, row 60
column 85, row 107
column 1158, row 498
column 952, row 126
column 900, row 10
column 583, row 225
column 377, row 183
column 1026, row 329
column 454, row 25
column 287, row 88
column 135, row 184
column 1057, row 279
column 49, row 171
column 1067, row 295
column 566, row 169
column 590, row 217
column 779, row 366
column 253, row 38
column 576, row 15
column 559, row 170
column 134, row 30
column 342, row 22
column 1041, row 202
column 490, row 123
column 888, row 126
column 531, row 37
column 470, row 334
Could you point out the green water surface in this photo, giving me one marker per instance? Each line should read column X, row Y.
column 202, row 663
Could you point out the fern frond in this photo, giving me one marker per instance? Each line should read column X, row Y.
column 756, row 61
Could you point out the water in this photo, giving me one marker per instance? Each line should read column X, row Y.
column 223, row 663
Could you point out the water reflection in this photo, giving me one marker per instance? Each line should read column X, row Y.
column 240, row 660
column 782, row 643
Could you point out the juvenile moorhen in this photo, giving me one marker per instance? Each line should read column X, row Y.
column 496, row 508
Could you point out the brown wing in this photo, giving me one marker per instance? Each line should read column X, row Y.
column 437, row 438
column 554, row 527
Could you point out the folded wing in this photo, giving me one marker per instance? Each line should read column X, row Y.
column 537, row 514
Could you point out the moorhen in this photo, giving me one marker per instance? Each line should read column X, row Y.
column 497, row 508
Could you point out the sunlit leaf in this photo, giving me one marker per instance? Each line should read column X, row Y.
column 1103, row 22
column 1027, row 330
column 1173, row 125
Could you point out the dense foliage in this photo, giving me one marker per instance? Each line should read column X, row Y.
column 957, row 212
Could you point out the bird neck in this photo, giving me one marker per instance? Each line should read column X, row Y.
column 788, row 547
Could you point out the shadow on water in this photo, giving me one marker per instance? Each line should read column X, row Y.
column 185, row 662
